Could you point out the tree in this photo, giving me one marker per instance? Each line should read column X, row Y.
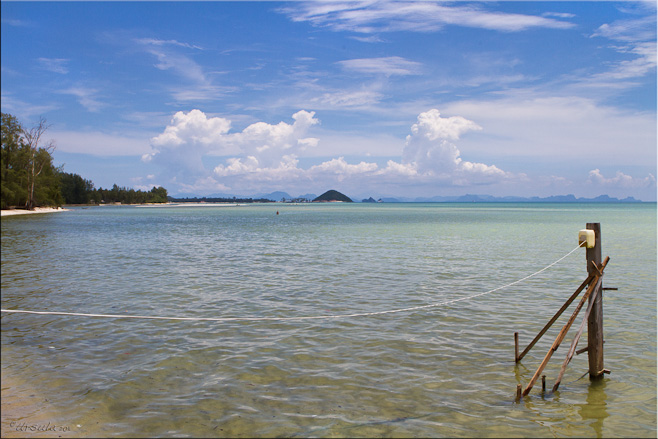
column 47, row 188
column 30, row 179
column 158, row 195
column 28, row 175
column 75, row 189
column 114, row 194
column 39, row 156
column 15, row 159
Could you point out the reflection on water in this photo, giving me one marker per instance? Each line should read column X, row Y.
column 440, row 372
column 595, row 411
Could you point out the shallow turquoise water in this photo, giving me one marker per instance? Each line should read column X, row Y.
column 439, row 372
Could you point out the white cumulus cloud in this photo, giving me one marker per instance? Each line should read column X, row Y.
column 193, row 127
column 265, row 156
column 186, row 140
column 340, row 169
column 429, row 149
column 259, row 147
column 268, row 143
column 620, row 180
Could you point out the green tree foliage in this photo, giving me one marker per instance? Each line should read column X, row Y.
column 158, row 195
column 46, row 190
column 333, row 195
column 14, row 163
column 29, row 178
column 40, row 160
column 75, row 189
column 129, row 196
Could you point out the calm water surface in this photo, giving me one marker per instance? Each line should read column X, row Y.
column 447, row 371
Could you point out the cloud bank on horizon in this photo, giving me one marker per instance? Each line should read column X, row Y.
column 382, row 98
column 265, row 156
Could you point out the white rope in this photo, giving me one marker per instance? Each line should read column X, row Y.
column 280, row 319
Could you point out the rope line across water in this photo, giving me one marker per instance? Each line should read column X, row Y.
column 280, row 319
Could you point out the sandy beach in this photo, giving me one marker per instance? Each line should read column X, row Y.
column 11, row 212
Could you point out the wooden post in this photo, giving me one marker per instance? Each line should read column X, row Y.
column 594, row 284
column 595, row 319
column 516, row 347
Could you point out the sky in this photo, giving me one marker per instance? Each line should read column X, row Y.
column 370, row 98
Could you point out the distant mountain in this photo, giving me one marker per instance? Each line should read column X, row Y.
column 276, row 196
column 332, row 195
column 215, row 195
column 369, row 200
column 471, row 198
column 467, row 198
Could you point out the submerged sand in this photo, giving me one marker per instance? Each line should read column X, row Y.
column 26, row 413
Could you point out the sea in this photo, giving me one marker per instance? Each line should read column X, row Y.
column 409, row 313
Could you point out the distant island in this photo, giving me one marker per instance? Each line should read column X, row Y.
column 218, row 200
column 470, row 198
column 335, row 196
column 332, row 196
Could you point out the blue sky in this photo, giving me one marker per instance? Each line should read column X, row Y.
column 372, row 98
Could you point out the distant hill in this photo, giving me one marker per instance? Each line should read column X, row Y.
column 276, row 196
column 331, row 196
column 217, row 200
column 470, row 198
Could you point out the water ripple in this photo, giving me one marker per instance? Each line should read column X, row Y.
column 439, row 372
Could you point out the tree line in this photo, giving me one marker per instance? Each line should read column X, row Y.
column 77, row 190
column 28, row 177
column 219, row 200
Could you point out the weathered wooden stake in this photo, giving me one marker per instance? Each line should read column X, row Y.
column 572, row 349
column 543, row 383
column 516, row 347
column 555, row 317
column 595, row 320
column 594, row 284
column 518, row 391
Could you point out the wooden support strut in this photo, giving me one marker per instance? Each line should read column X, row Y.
column 574, row 344
column 586, row 348
column 594, row 284
column 552, row 320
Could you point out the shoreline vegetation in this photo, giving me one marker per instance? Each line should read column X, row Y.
column 30, row 180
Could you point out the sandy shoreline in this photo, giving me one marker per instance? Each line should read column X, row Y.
column 11, row 212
